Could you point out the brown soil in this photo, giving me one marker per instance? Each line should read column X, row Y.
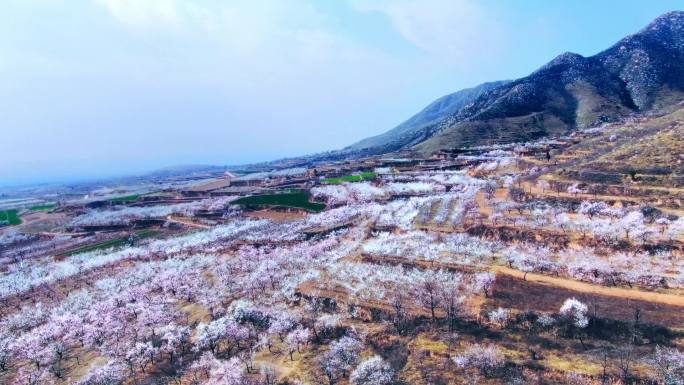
column 279, row 216
column 547, row 294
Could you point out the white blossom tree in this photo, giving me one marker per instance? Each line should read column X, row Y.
column 373, row 371
column 488, row 359
column 574, row 317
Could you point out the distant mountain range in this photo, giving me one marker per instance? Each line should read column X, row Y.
column 642, row 72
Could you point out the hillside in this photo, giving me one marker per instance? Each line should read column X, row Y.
column 640, row 73
column 645, row 152
column 412, row 131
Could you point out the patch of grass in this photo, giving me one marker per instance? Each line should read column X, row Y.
column 127, row 198
column 9, row 218
column 147, row 234
column 424, row 342
column 571, row 363
column 351, row 178
column 44, row 207
column 298, row 199
column 292, row 191
column 118, row 242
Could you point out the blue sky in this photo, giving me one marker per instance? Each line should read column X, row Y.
column 107, row 87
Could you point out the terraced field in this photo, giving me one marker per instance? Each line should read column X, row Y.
column 351, row 178
column 9, row 217
column 126, row 198
column 299, row 200
column 44, row 207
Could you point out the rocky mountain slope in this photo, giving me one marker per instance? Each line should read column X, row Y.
column 642, row 72
column 412, row 131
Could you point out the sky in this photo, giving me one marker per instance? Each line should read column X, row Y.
column 98, row 88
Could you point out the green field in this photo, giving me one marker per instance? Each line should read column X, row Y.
column 44, row 207
column 9, row 217
column 98, row 246
column 118, row 242
column 127, row 198
column 297, row 199
column 351, row 178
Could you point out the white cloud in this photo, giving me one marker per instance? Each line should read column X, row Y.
column 260, row 40
column 143, row 13
column 237, row 17
column 243, row 27
column 281, row 67
column 454, row 29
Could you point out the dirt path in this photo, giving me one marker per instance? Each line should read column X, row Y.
column 582, row 287
column 186, row 222
column 62, row 233
column 278, row 216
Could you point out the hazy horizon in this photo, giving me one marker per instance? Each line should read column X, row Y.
column 103, row 88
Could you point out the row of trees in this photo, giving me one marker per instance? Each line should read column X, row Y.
column 127, row 214
column 29, row 273
column 635, row 268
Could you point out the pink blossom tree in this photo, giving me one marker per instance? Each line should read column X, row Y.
column 295, row 339
column 227, row 373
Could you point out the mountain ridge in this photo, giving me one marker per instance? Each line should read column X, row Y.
column 432, row 113
column 641, row 72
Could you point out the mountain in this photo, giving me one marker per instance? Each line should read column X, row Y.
column 412, row 130
column 640, row 73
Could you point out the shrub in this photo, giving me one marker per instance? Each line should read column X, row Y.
column 488, row 359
